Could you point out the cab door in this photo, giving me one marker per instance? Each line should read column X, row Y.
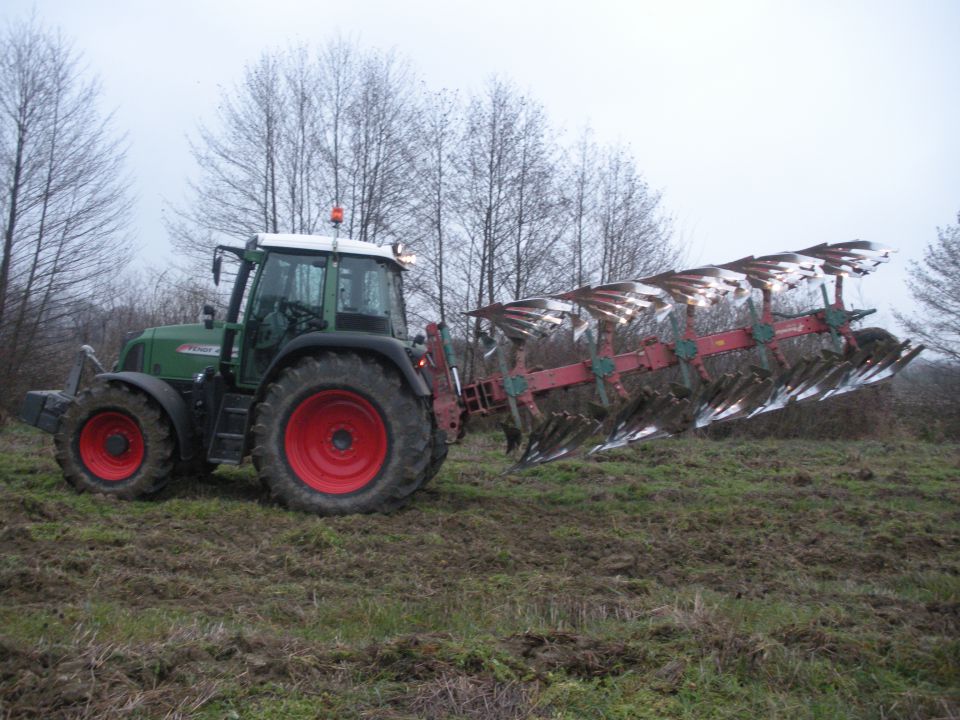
column 286, row 302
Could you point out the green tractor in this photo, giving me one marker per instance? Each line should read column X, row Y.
column 311, row 373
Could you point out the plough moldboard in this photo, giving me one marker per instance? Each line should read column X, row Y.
column 596, row 311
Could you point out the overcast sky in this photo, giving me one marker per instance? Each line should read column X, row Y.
column 767, row 125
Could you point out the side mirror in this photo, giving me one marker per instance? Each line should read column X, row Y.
column 217, row 262
column 208, row 311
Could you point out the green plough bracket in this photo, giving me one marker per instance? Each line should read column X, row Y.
column 602, row 367
column 762, row 333
column 685, row 349
column 835, row 317
column 515, row 385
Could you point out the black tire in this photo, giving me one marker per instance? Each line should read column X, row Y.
column 340, row 434
column 869, row 338
column 115, row 441
column 438, row 454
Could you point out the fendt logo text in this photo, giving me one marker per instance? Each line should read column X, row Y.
column 191, row 349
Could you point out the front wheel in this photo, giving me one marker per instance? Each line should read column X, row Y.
column 342, row 434
column 113, row 440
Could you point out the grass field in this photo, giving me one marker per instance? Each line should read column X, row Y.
column 681, row 579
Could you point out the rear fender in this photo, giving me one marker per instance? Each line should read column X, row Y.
column 390, row 349
column 167, row 398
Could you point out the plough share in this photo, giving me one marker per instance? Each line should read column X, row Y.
column 853, row 359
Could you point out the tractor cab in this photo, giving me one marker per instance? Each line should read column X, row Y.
column 290, row 285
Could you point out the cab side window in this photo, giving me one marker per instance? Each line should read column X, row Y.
column 362, row 296
column 362, row 288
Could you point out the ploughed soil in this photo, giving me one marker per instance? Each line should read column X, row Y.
column 686, row 578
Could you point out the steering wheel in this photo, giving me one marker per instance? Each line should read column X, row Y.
column 299, row 312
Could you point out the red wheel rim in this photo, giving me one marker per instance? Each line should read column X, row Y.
column 111, row 446
column 336, row 441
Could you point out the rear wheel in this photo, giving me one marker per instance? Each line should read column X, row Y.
column 113, row 440
column 342, row 434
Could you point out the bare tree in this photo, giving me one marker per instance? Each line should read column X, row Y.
column 337, row 68
column 434, row 200
column 301, row 159
column 580, row 190
column 383, row 127
column 634, row 236
column 263, row 165
column 536, row 207
column 240, row 160
column 302, row 132
column 933, row 284
column 488, row 174
column 64, row 203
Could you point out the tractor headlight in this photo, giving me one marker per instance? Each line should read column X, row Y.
column 403, row 256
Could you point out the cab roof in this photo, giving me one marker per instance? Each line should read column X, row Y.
column 324, row 243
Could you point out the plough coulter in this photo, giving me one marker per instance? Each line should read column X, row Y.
column 852, row 360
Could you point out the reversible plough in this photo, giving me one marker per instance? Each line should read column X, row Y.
column 853, row 359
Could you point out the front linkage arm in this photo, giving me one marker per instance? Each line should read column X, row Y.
column 44, row 408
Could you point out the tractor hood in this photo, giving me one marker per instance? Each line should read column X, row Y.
column 173, row 352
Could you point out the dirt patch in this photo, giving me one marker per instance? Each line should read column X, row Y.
column 464, row 696
column 576, row 654
column 415, row 657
